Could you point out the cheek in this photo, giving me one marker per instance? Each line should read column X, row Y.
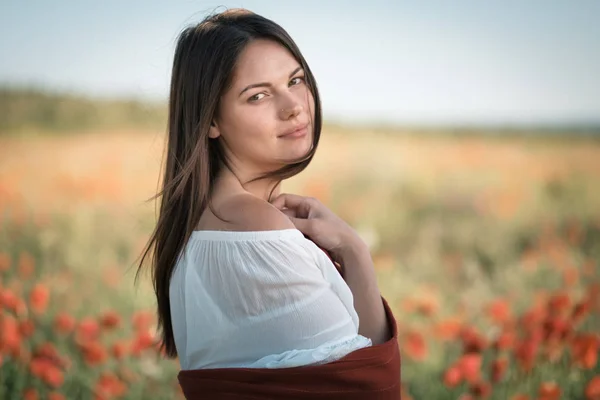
column 254, row 122
column 310, row 101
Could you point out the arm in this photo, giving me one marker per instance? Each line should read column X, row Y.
column 359, row 274
column 328, row 231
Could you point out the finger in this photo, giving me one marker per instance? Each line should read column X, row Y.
column 303, row 225
column 290, row 212
column 293, row 201
column 287, row 200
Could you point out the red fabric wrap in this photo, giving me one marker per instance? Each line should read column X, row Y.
column 371, row 373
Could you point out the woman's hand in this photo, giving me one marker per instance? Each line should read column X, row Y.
column 319, row 223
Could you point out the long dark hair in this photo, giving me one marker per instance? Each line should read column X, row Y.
column 205, row 56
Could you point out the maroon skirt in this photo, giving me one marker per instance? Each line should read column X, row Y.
column 370, row 373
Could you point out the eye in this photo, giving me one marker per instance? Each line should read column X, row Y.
column 255, row 98
column 300, row 78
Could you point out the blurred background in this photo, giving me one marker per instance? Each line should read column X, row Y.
column 461, row 140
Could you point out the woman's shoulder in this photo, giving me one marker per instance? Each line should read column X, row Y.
column 250, row 213
column 244, row 213
column 256, row 223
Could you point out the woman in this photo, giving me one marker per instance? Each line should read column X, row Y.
column 245, row 277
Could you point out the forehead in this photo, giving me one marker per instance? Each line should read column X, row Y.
column 263, row 61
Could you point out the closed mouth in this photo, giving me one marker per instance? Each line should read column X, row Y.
column 301, row 128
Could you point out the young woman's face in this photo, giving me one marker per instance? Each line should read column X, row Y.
column 268, row 98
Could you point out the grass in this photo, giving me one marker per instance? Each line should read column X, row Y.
column 474, row 238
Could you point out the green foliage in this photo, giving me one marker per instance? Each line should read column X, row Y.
column 34, row 110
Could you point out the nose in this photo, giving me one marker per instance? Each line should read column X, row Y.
column 291, row 109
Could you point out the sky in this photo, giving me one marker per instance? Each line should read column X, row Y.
column 428, row 62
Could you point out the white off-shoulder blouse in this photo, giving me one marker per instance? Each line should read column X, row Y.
column 260, row 299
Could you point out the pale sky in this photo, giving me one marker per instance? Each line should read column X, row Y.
column 432, row 62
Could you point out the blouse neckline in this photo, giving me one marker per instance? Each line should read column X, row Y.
column 247, row 235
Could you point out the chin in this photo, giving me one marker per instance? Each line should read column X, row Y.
column 305, row 143
column 297, row 152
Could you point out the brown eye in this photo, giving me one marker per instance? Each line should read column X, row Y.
column 300, row 78
column 255, row 98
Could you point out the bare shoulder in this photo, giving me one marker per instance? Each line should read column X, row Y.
column 249, row 213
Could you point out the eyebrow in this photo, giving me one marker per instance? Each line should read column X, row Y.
column 267, row 84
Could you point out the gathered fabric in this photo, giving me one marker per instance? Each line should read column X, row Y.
column 370, row 373
column 268, row 315
column 262, row 299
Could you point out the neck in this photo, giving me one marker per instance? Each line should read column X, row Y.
column 229, row 182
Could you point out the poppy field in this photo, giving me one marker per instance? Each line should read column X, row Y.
column 486, row 247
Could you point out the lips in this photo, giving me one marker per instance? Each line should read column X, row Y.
column 294, row 130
